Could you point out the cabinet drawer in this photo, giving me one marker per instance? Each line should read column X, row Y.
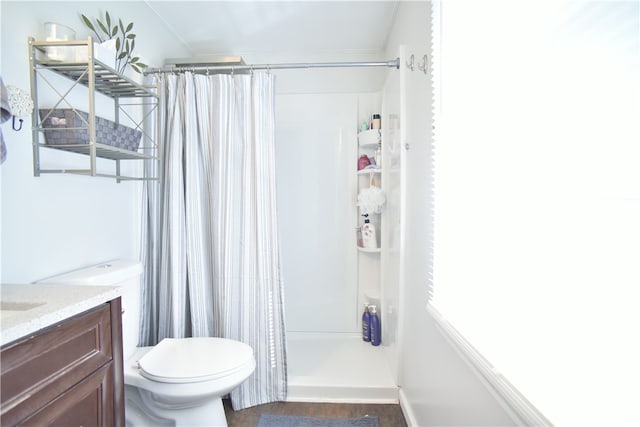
column 87, row 404
column 39, row 368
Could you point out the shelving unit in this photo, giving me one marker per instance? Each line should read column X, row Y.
column 368, row 142
column 92, row 77
column 369, row 259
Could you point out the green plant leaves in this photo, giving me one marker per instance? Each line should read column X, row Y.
column 125, row 40
column 88, row 23
column 102, row 27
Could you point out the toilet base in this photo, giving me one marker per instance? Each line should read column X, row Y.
column 141, row 411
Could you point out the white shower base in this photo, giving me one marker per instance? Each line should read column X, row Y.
column 325, row 367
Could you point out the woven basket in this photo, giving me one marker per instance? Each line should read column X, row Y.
column 65, row 127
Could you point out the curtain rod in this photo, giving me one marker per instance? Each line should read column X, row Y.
column 205, row 68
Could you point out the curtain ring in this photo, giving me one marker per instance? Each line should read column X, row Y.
column 424, row 66
column 411, row 62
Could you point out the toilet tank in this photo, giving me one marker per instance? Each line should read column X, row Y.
column 124, row 274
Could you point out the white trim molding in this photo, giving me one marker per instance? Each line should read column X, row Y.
column 521, row 410
column 407, row 411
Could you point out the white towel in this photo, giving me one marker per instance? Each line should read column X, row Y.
column 5, row 114
column 5, row 109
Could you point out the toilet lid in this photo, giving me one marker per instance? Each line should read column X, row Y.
column 181, row 360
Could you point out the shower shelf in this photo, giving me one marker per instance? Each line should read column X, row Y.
column 369, row 250
column 369, row 171
column 88, row 77
column 369, row 138
column 369, row 260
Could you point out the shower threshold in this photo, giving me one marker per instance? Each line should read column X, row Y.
column 337, row 367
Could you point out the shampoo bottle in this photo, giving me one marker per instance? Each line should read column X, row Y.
column 366, row 324
column 375, row 326
column 369, row 238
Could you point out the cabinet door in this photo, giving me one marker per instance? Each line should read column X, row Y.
column 87, row 404
column 37, row 369
column 68, row 374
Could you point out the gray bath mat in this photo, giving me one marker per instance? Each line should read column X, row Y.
column 267, row 420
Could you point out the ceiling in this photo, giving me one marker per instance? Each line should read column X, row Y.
column 263, row 27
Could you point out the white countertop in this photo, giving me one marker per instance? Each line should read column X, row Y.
column 25, row 309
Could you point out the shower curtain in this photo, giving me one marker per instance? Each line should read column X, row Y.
column 210, row 240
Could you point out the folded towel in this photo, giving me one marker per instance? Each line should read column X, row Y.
column 3, row 148
column 5, row 114
column 5, row 109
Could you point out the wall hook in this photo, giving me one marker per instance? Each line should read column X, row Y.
column 14, row 123
column 424, row 66
column 411, row 62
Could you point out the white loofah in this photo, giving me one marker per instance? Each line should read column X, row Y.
column 371, row 200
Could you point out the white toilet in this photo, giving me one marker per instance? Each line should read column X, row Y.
column 178, row 382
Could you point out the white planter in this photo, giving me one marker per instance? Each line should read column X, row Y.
column 104, row 52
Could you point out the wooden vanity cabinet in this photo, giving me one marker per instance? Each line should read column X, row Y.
column 69, row 374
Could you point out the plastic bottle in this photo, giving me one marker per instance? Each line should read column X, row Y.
column 366, row 324
column 374, row 323
column 369, row 238
column 378, row 155
column 363, row 162
column 375, row 121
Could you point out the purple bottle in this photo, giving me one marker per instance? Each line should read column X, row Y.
column 366, row 324
column 374, row 324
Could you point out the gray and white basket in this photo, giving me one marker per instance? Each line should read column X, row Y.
column 65, row 127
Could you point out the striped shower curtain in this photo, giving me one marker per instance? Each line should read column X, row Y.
column 210, row 239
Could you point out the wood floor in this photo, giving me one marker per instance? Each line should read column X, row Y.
column 388, row 415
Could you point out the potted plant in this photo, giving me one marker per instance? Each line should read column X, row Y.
column 122, row 39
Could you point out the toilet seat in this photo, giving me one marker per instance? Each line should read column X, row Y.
column 187, row 360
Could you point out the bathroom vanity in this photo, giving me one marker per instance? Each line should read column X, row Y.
column 61, row 355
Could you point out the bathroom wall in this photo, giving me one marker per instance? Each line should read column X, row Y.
column 316, row 155
column 314, row 149
column 437, row 386
column 58, row 222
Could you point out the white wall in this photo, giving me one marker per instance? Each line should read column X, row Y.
column 437, row 386
column 315, row 158
column 56, row 222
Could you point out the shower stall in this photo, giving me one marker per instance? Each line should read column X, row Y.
column 327, row 277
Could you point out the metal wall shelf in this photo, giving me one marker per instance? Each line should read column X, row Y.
column 92, row 76
column 107, row 80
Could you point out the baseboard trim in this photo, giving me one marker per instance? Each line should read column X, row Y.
column 407, row 411
column 521, row 410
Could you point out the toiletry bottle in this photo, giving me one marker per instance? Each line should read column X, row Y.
column 378, row 155
column 374, row 323
column 366, row 324
column 363, row 162
column 369, row 239
column 375, row 122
